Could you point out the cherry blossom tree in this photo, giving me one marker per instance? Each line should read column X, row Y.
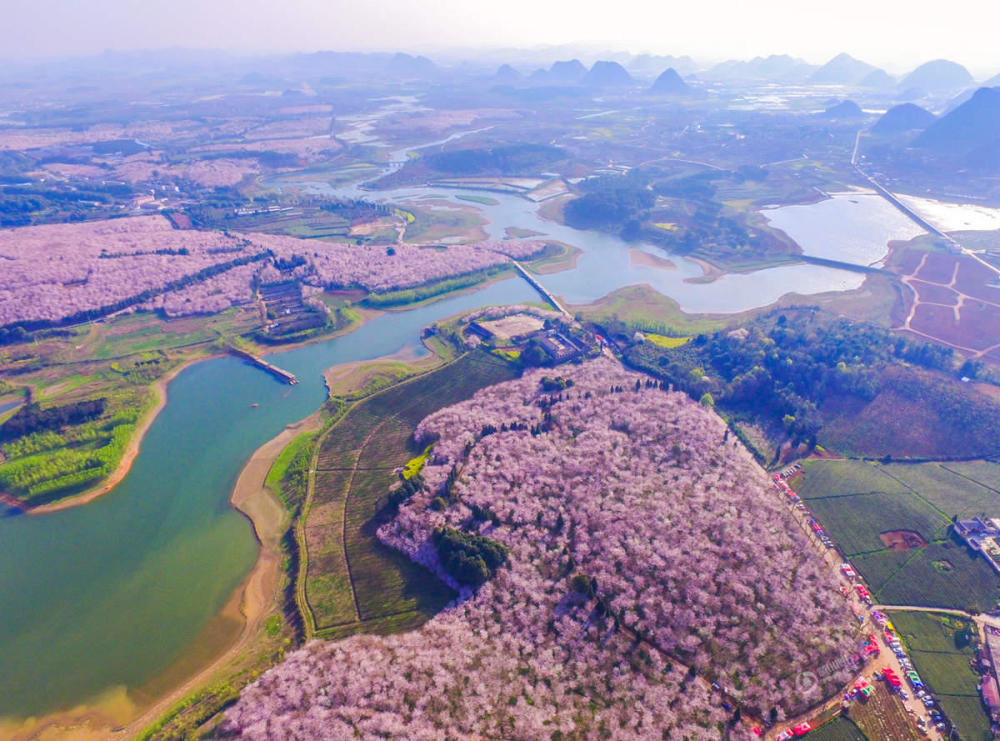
column 646, row 557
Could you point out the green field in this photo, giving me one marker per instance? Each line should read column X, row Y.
column 288, row 477
column 436, row 289
column 838, row 729
column 856, row 501
column 952, row 492
column 943, row 662
column 485, row 200
column 841, row 478
column 49, row 465
column 943, row 574
column 856, row 521
column 354, row 583
column 643, row 308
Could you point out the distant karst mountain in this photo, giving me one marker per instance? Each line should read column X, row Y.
column 607, row 74
column 939, row 76
column 647, row 65
column 878, row 79
column 843, row 69
column 407, row 65
column 507, row 75
column 776, row 68
column 905, row 117
column 846, row 109
column 669, row 83
column 566, row 72
column 971, row 132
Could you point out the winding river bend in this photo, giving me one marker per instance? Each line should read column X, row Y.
column 110, row 594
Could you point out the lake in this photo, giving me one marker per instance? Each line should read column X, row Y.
column 849, row 227
column 110, row 593
column 953, row 217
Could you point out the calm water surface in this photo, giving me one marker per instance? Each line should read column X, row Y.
column 849, row 227
column 111, row 593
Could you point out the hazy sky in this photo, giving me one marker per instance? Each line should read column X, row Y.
column 895, row 34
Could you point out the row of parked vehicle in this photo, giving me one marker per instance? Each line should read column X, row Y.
column 889, row 636
column 779, row 481
column 892, row 642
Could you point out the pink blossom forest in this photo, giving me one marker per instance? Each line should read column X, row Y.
column 55, row 271
column 647, row 558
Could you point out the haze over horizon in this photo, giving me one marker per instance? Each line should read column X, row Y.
column 896, row 35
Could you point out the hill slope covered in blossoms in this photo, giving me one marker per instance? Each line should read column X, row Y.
column 55, row 271
column 647, row 556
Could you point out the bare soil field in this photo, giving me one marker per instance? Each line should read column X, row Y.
column 437, row 122
column 513, row 326
column 902, row 540
column 934, row 293
column 950, row 299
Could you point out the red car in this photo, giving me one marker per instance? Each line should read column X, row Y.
column 802, row 729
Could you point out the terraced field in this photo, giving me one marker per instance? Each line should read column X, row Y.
column 353, row 583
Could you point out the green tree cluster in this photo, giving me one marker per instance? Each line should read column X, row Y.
column 469, row 559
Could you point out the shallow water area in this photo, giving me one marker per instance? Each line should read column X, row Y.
column 954, row 217
column 849, row 227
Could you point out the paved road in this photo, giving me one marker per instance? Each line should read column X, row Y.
column 915, row 709
column 920, row 221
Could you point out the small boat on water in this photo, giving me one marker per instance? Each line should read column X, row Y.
column 254, row 405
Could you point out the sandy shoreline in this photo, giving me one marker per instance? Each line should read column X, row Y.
column 645, row 259
column 131, row 452
column 160, row 389
column 711, row 272
column 118, row 713
column 336, row 375
column 258, row 594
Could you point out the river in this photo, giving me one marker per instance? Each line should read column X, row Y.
column 112, row 593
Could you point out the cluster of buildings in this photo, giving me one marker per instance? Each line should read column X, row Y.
column 983, row 536
column 558, row 342
column 990, row 665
